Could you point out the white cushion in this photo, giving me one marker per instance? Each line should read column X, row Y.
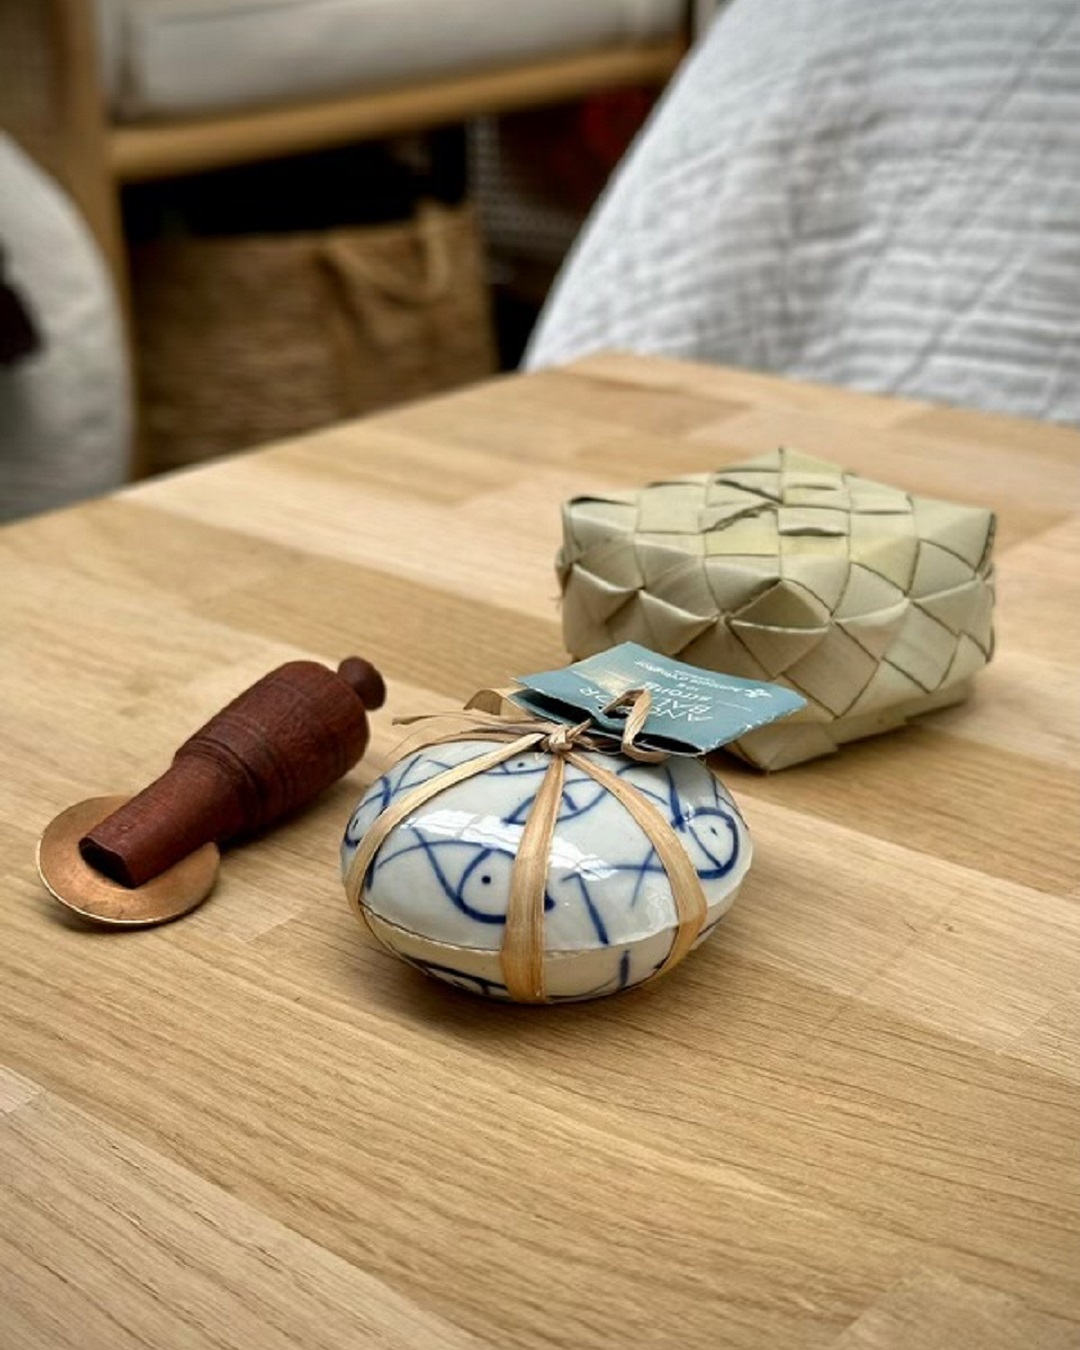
column 65, row 422
column 177, row 58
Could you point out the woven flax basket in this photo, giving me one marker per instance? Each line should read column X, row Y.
column 247, row 339
column 874, row 604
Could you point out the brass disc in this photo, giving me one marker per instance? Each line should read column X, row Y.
column 83, row 889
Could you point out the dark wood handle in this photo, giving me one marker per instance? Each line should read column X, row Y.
column 278, row 745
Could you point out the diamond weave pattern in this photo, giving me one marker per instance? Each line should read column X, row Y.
column 873, row 604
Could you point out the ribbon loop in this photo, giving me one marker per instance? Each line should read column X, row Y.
column 639, row 702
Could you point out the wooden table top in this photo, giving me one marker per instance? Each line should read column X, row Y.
column 851, row 1120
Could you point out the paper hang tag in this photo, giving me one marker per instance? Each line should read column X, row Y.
column 693, row 710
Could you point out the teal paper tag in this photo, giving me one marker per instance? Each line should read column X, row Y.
column 693, row 710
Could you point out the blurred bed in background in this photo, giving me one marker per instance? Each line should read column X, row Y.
column 882, row 196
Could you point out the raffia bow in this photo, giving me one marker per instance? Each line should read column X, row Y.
column 522, row 951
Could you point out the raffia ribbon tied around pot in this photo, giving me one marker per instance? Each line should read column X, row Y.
column 522, row 953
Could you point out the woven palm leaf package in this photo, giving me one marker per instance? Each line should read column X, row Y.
column 564, row 841
column 874, row 604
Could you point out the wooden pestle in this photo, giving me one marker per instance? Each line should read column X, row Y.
column 289, row 736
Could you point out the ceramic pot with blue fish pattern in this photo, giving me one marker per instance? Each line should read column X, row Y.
column 436, row 890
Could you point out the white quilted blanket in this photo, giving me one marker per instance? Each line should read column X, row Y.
column 880, row 193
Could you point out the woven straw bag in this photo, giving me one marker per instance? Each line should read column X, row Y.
column 248, row 339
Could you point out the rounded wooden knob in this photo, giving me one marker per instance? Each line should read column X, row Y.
column 362, row 676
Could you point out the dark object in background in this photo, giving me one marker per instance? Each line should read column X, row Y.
column 19, row 336
column 567, row 153
column 516, row 313
column 369, row 184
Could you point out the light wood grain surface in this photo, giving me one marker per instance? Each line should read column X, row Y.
column 850, row 1121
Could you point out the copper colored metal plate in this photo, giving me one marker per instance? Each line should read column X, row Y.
column 83, row 889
